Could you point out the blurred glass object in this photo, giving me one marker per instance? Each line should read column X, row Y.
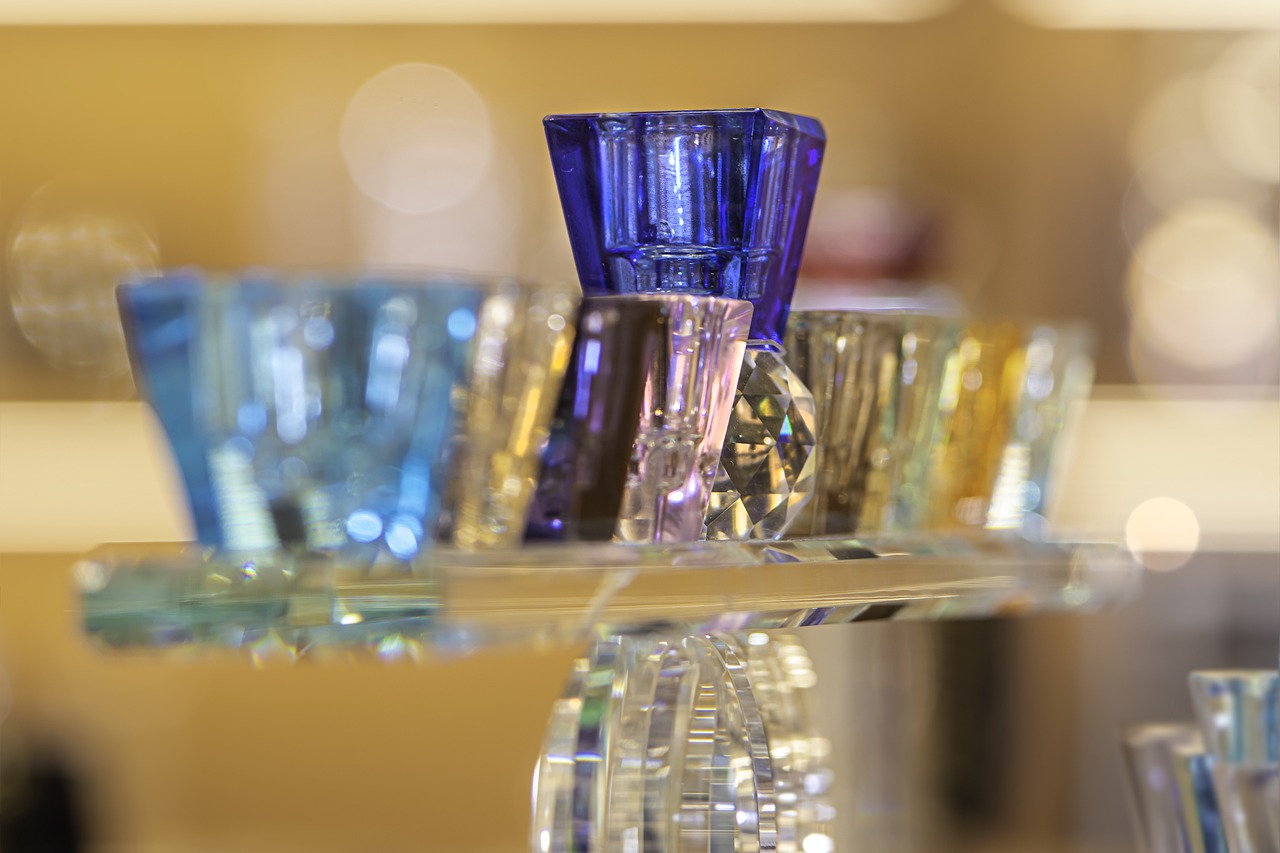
column 416, row 138
column 1008, row 394
column 878, row 378
column 702, row 742
column 330, row 414
column 73, row 242
column 1237, row 711
column 1175, row 808
column 1204, row 291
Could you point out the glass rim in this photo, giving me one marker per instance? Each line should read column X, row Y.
column 339, row 279
column 780, row 115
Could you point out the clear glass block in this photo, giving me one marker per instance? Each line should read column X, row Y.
column 361, row 416
column 878, row 380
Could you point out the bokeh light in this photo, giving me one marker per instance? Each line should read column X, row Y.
column 1204, row 291
column 480, row 233
column 1162, row 533
column 1242, row 106
column 416, row 138
column 69, row 248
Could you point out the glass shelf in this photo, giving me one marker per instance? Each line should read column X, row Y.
column 169, row 596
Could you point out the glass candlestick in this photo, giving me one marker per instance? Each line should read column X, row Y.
column 708, row 203
column 358, row 416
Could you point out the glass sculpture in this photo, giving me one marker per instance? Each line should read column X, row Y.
column 708, row 203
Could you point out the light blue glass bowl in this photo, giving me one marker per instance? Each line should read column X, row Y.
column 329, row 413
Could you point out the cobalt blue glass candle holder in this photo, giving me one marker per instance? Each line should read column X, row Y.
column 708, row 203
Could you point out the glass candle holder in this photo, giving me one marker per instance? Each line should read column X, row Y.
column 352, row 415
column 1239, row 716
column 708, row 203
column 1010, row 390
column 1175, row 808
column 878, row 381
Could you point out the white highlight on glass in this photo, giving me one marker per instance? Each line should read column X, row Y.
column 1162, row 533
column 416, row 138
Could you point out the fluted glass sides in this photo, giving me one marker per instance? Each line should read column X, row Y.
column 680, row 744
column 585, row 462
column 688, row 396
column 1239, row 716
column 1175, row 807
column 361, row 415
column 1011, row 389
column 878, row 380
column 712, row 202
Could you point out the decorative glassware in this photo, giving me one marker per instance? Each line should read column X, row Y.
column 585, row 462
column 641, row 418
column 1238, row 712
column 1011, row 389
column 320, row 413
column 662, row 744
column 878, row 378
column 1175, row 808
column 708, row 203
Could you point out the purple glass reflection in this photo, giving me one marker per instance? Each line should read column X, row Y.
column 585, row 463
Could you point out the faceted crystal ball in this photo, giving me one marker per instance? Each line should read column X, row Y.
column 352, row 415
column 709, row 203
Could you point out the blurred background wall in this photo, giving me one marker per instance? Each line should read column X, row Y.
column 1116, row 162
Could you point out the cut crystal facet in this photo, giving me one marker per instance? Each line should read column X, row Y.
column 770, row 453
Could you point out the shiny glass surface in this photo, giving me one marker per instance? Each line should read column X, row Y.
column 365, row 416
column 707, row 202
column 1238, row 712
column 878, row 379
column 1170, row 779
column 688, row 395
column 1010, row 391
column 456, row 600
column 585, row 462
column 664, row 744
column 768, row 466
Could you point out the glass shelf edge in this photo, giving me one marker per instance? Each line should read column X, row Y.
column 145, row 596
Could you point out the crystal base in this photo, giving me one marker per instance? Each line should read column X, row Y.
column 684, row 743
column 766, row 473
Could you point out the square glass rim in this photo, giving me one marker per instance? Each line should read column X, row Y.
column 806, row 124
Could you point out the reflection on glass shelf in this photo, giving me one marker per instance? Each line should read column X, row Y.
column 161, row 596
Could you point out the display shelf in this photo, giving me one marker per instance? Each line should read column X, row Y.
column 170, row 596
